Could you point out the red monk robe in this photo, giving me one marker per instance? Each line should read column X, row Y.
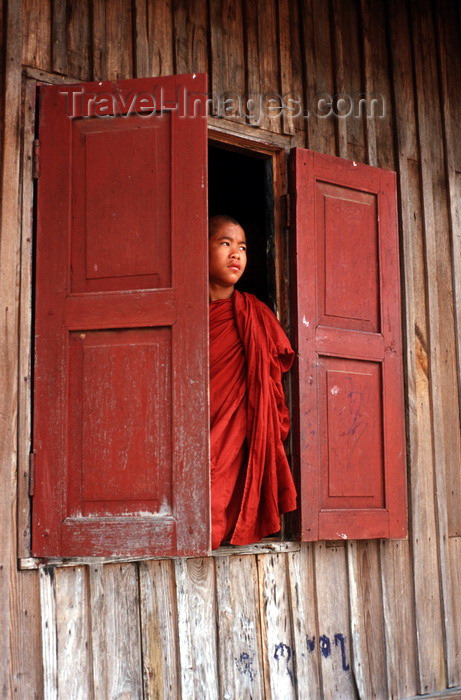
column 251, row 482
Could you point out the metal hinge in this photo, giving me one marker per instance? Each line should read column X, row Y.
column 31, row 473
column 36, row 159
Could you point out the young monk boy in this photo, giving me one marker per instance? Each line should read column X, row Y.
column 251, row 482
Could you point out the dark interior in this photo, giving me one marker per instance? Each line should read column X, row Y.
column 240, row 185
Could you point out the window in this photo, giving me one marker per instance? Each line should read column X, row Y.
column 120, row 388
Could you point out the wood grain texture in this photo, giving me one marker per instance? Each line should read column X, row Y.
column 290, row 67
column 121, row 628
column 119, row 40
column 378, row 119
column 190, row 23
column 269, row 78
column 349, row 85
column 318, row 74
column 58, row 36
column 25, row 324
column 228, row 60
column 334, row 622
column 26, row 668
column 37, row 33
column 99, row 649
column 79, row 40
column 277, row 643
column 429, row 649
column 445, row 407
column 49, row 633
column 153, row 46
column 261, row 49
column 399, row 618
column 239, row 634
column 252, row 69
column 305, row 632
column 159, row 630
column 454, row 565
column 11, row 617
column 98, row 42
column 447, row 35
column 73, row 639
column 196, row 610
column 367, row 619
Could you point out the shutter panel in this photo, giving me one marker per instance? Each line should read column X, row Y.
column 350, row 442
column 120, row 396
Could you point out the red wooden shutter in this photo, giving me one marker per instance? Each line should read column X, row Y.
column 351, row 443
column 120, row 409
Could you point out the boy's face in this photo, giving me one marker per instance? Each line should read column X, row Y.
column 227, row 254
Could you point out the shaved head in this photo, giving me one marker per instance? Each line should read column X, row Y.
column 216, row 221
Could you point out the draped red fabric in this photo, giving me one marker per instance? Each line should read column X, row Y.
column 251, row 482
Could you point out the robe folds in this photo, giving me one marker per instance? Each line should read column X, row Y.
column 251, row 482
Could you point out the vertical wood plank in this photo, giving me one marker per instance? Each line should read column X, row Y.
column 252, row 68
column 318, row 74
column 122, row 631
column 190, row 35
column 262, row 64
column 239, row 634
column 227, row 59
column 98, row 40
column 445, row 407
column 78, row 40
column 10, row 146
column 454, row 554
column 448, row 36
column 379, row 123
column 274, row 604
column 98, row 631
column 119, row 40
column 58, row 36
column 196, row 603
column 429, row 647
column 290, row 70
column 154, row 38
column 367, row 619
column 49, row 636
column 268, row 47
column 72, row 634
column 159, row 630
column 334, row 621
column 25, row 324
column 348, row 65
column 399, row 620
column 304, row 622
column 26, row 670
column 36, row 45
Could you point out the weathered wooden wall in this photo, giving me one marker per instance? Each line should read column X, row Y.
column 367, row 619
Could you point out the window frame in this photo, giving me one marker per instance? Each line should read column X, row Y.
column 223, row 133
column 227, row 134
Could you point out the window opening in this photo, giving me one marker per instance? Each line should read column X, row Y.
column 241, row 186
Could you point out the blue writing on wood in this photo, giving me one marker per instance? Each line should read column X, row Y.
column 283, row 651
column 339, row 639
column 325, row 645
column 245, row 665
